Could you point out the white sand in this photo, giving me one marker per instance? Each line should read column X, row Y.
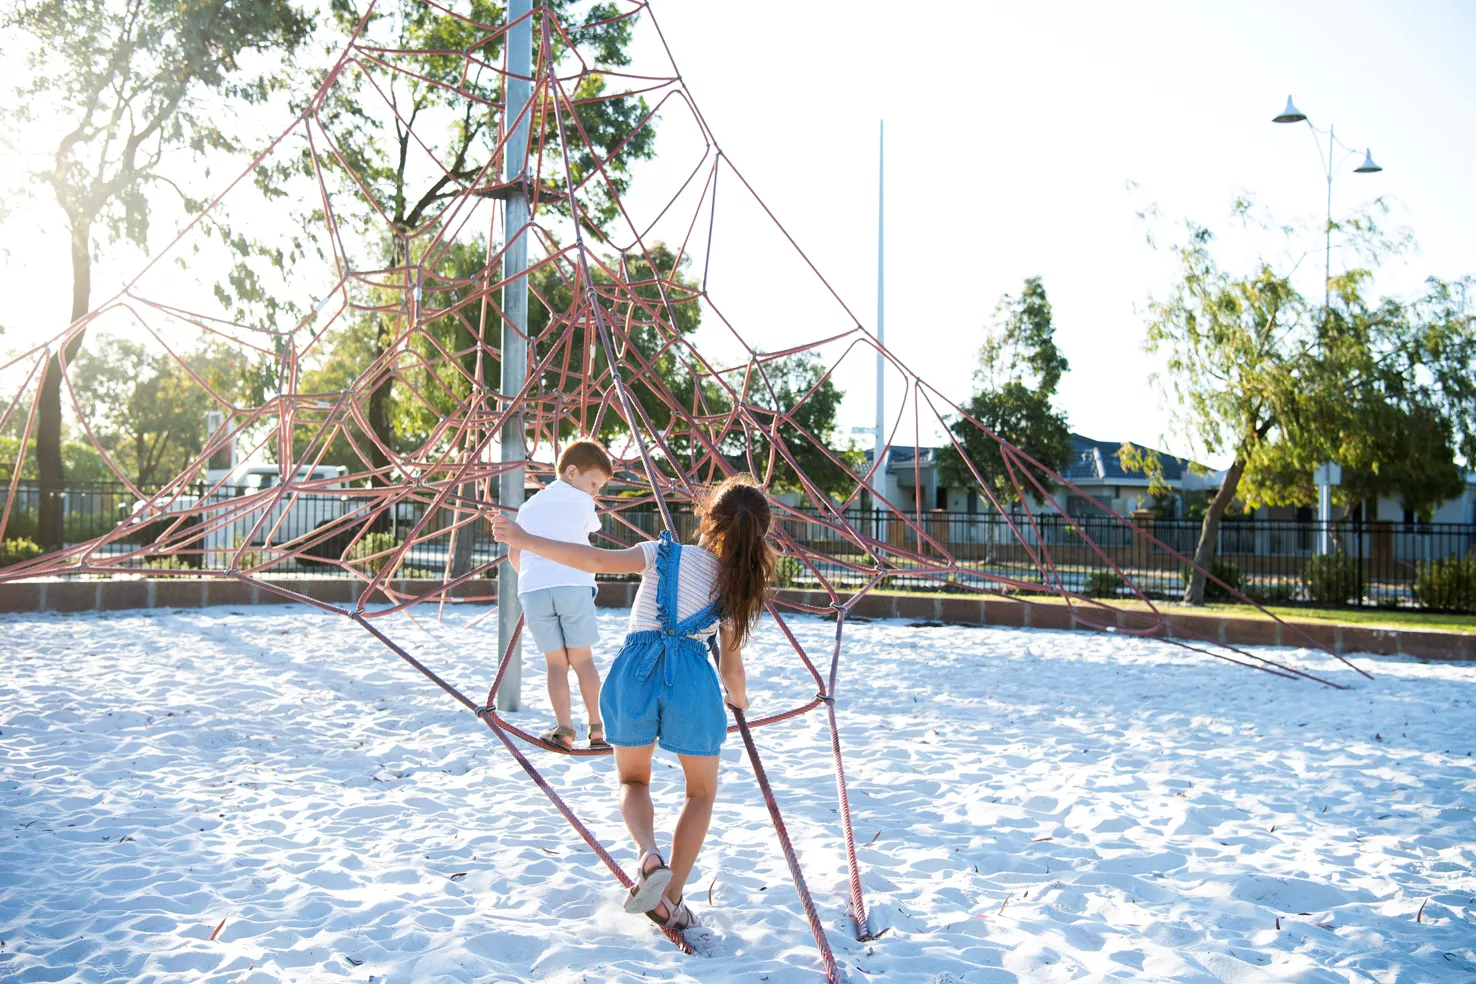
column 1140, row 813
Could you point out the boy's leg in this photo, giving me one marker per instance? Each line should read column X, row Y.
column 582, row 659
column 558, row 685
column 691, row 827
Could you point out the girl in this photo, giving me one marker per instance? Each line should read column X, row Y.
column 662, row 688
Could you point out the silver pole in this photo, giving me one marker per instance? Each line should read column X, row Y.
column 1327, row 262
column 880, row 479
column 514, row 335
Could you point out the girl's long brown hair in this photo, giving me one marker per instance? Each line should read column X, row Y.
column 735, row 524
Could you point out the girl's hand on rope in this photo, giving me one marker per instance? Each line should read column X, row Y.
column 504, row 530
column 738, row 700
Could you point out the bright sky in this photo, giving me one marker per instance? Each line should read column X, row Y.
column 1013, row 131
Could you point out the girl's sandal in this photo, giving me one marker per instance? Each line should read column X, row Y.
column 556, row 736
column 645, row 894
column 678, row 919
column 597, row 742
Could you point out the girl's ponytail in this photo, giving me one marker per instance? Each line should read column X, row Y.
column 735, row 526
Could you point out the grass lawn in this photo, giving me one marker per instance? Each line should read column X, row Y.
column 1397, row 618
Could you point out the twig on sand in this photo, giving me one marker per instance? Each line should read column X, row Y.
column 218, row 927
column 1420, row 916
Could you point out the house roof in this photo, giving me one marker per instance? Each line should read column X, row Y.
column 1091, row 461
column 1097, row 461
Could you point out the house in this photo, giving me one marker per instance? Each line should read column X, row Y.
column 912, row 479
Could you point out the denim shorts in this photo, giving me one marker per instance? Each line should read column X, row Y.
column 561, row 617
column 662, row 688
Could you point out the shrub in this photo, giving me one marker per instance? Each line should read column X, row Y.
column 1273, row 592
column 367, row 547
column 1330, row 578
column 1103, row 583
column 788, row 571
column 17, row 550
column 1224, row 570
column 168, row 563
column 1448, row 583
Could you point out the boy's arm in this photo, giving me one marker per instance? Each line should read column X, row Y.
column 730, row 668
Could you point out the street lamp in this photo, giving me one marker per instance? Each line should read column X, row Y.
column 1293, row 115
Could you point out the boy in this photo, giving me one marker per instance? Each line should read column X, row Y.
column 558, row 601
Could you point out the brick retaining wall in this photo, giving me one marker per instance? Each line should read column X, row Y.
column 57, row 595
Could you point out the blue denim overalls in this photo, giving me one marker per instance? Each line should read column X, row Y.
column 662, row 687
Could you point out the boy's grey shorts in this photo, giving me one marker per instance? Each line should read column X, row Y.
column 561, row 617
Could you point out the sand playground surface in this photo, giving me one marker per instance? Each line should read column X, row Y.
column 1032, row 806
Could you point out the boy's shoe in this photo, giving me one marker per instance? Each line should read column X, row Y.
column 597, row 742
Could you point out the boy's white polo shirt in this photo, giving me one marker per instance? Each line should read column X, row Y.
column 557, row 512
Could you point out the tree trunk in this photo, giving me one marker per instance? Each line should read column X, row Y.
column 1209, row 533
column 49, row 469
column 379, row 406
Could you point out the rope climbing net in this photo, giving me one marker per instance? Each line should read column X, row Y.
column 453, row 204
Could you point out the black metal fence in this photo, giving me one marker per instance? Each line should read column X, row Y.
column 1341, row 563
column 1384, row 564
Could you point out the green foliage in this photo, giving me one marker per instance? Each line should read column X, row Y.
column 1449, row 583
column 1330, row 578
column 1383, row 387
column 1103, row 584
column 1272, row 592
column 17, row 550
column 1147, row 461
column 799, row 386
column 146, row 411
column 1019, row 370
column 788, row 571
column 1225, row 570
column 170, row 562
column 362, row 555
column 83, row 463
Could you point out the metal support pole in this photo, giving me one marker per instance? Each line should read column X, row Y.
column 1327, row 262
column 514, row 335
column 880, row 479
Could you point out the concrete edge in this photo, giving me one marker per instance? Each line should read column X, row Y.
column 120, row 594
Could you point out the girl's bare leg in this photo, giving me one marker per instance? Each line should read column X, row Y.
column 633, row 765
column 691, row 828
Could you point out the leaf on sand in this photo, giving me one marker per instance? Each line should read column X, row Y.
column 218, row 927
column 709, row 890
column 1004, row 903
column 547, row 851
column 1420, row 916
column 873, row 838
column 352, row 960
column 459, row 874
column 1039, row 839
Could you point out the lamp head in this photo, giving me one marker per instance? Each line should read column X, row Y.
column 1368, row 166
column 1291, row 114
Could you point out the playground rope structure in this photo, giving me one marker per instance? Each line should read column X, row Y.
column 611, row 309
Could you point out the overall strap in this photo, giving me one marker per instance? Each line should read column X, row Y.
column 668, row 569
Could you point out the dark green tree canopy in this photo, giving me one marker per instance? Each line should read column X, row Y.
column 1020, row 368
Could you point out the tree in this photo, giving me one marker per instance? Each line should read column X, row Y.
column 462, row 134
column 133, row 82
column 808, row 433
column 1253, row 370
column 1020, row 368
column 144, row 409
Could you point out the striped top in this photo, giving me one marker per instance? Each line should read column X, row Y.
column 696, row 586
